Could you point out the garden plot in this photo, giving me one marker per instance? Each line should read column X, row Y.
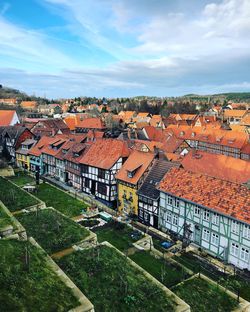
column 118, row 234
column 203, row 296
column 22, row 178
column 113, row 284
column 53, row 231
column 164, row 271
column 28, row 283
column 15, row 198
column 61, row 201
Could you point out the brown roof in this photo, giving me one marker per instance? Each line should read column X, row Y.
column 216, row 165
column 28, row 104
column 138, row 161
column 105, row 153
column 225, row 197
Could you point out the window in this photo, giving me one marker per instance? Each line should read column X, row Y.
column 169, row 217
column 215, row 218
column 102, row 188
column 85, row 169
column 176, row 203
column 244, row 255
column 170, row 200
column 234, row 249
column 101, row 173
column 215, row 239
column 175, row 219
column 246, row 232
column 197, row 211
column 235, row 227
column 206, row 215
column 206, row 235
column 141, row 213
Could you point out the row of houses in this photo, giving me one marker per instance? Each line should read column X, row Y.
column 211, row 212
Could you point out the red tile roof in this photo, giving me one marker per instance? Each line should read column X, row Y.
column 225, row 197
column 137, row 160
column 153, row 133
column 105, row 153
column 219, row 166
column 6, row 116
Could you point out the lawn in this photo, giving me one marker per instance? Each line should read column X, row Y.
column 21, row 178
column 117, row 234
column 59, row 200
column 13, row 197
column 30, row 286
column 112, row 284
column 167, row 273
column 203, row 296
column 51, row 230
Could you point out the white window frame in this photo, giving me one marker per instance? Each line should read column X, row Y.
column 235, row 227
column 244, row 254
column 175, row 219
column 246, row 231
column 235, row 250
column 197, row 211
column 215, row 239
column 206, row 215
column 215, row 218
column 206, row 235
column 169, row 217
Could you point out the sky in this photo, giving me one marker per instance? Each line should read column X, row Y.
column 124, row 48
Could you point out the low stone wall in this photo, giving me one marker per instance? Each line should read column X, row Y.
column 17, row 231
column 85, row 304
column 181, row 305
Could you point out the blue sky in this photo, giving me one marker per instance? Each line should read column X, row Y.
column 118, row 48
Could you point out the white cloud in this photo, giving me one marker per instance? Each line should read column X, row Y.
column 30, row 46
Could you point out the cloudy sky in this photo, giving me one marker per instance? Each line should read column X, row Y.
column 114, row 48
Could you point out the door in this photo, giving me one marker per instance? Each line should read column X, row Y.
column 197, row 234
column 93, row 185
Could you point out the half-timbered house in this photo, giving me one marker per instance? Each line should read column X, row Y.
column 149, row 195
column 211, row 213
column 99, row 167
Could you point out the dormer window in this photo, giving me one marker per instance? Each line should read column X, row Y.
column 131, row 174
column 64, row 151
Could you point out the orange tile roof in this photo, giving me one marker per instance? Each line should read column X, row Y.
column 137, row 160
column 216, row 165
column 225, row 197
column 246, row 120
column 211, row 135
column 105, row 153
column 90, row 123
column 234, row 113
column 153, row 133
column 6, row 116
column 28, row 104
column 41, row 145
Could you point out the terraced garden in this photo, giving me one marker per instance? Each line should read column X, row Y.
column 21, row 178
column 51, row 230
column 15, row 198
column 112, row 284
column 204, row 297
column 28, row 284
column 5, row 219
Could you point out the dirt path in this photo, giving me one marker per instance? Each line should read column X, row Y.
column 62, row 253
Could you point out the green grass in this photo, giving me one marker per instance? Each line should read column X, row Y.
column 112, row 284
column 117, row 234
column 13, row 197
column 5, row 219
column 167, row 273
column 21, row 178
column 33, row 287
column 203, row 296
column 59, row 200
column 51, row 230
column 231, row 282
